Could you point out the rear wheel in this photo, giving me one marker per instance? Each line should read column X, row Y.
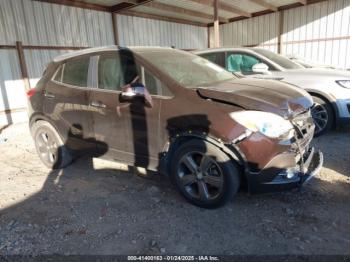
column 204, row 174
column 322, row 115
column 49, row 146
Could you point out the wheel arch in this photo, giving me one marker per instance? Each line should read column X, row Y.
column 231, row 150
column 39, row 117
column 329, row 100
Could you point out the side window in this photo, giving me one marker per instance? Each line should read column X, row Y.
column 116, row 71
column 58, row 75
column 151, row 83
column 241, row 62
column 216, row 58
column 154, row 85
column 75, row 72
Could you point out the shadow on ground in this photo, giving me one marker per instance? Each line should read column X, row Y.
column 95, row 207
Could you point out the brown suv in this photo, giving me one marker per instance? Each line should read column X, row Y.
column 179, row 114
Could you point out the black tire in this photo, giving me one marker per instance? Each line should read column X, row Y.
column 213, row 161
column 49, row 145
column 323, row 115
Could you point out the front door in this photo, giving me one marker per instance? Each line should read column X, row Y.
column 129, row 129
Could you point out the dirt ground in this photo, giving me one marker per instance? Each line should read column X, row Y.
column 100, row 207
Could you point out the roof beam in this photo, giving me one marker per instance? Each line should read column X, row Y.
column 183, row 11
column 224, row 7
column 127, row 5
column 233, row 9
column 265, row 4
column 162, row 18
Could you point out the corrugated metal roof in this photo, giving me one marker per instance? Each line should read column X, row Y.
column 279, row 3
column 104, row 2
column 195, row 7
column 245, row 6
column 149, row 10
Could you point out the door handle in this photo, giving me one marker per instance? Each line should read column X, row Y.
column 49, row 95
column 97, row 104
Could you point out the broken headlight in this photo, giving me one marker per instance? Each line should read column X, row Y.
column 269, row 124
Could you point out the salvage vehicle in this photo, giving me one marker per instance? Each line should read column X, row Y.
column 330, row 89
column 176, row 113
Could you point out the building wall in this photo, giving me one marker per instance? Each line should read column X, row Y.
column 41, row 24
column 320, row 32
column 261, row 30
column 143, row 31
column 44, row 24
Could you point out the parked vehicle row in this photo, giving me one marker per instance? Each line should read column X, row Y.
column 179, row 114
column 330, row 89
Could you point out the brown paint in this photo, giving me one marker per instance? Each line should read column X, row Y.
column 144, row 135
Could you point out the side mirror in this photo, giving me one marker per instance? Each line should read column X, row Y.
column 136, row 92
column 260, row 68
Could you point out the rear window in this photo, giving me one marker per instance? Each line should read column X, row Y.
column 74, row 72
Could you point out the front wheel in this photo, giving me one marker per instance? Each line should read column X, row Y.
column 204, row 174
column 322, row 115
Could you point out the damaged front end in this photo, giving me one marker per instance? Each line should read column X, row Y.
column 280, row 164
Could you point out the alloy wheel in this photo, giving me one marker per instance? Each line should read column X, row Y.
column 320, row 117
column 47, row 147
column 200, row 176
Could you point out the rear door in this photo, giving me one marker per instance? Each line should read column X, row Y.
column 67, row 102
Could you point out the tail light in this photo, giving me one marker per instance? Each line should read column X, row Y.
column 31, row 92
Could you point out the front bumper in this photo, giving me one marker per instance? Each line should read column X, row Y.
column 342, row 107
column 272, row 178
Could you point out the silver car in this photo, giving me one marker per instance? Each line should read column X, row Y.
column 308, row 63
column 330, row 89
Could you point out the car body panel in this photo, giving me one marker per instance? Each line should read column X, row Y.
column 146, row 135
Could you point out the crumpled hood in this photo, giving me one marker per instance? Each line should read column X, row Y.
column 263, row 95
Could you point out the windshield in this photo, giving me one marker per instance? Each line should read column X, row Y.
column 278, row 59
column 185, row 68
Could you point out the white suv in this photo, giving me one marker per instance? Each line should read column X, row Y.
column 330, row 89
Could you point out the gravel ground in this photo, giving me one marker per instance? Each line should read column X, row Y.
column 100, row 207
